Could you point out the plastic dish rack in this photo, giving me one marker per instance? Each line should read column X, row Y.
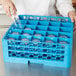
column 45, row 40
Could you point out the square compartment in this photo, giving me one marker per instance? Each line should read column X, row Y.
column 15, row 37
column 32, row 22
column 51, row 28
column 55, row 24
column 44, row 23
column 42, row 33
column 18, row 26
column 39, row 38
column 25, row 37
column 53, row 39
column 30, row 32
column 64, row 29
column 32, row 27
column 64, row 40
column 15, row 31
column 67, row 24
column 41, row 28
column 22, row 22
column 55, row 34
column 67, row 35
column 25, row 40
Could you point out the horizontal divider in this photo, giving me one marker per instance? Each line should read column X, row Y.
column 35, row 52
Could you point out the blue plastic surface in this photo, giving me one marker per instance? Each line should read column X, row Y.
column 45, row 40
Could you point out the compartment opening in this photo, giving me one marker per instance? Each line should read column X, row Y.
column 67, row 24
column 44, row 23
column 15, row 32
column 37, row 39
column 64, row 35
column 55, row 24
column 32, row 22
column 29, row 27
column 65, row 30
column 41, row 28
column 50, row 28
column 39, row 33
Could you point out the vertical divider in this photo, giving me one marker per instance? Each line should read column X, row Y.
column 21, row 33
column 45, row 36
column 58, row 35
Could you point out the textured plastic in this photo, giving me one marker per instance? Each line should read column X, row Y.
column 45, row 40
